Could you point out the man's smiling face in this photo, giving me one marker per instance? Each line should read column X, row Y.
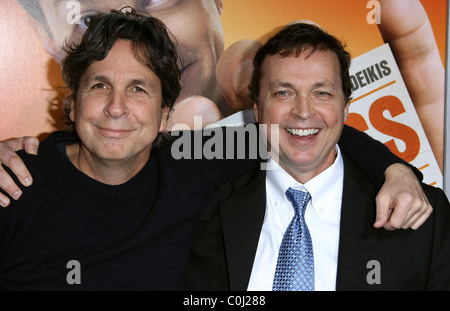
column 304, row 96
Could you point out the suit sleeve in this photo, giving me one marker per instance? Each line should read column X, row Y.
column 206, row 268
column 370, row 155
column 439, row 278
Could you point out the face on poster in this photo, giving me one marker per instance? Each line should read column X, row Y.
column 36, row 31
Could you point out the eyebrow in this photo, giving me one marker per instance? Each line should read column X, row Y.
column 322, row 84
column 96, row 77
column 105, row 79
column 279, row 83
column 141, row 82
column 289, row 84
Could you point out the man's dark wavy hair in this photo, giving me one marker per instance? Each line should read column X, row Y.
column 151, row 46
column 293, row 40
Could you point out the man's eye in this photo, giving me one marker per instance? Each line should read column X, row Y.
column 138, row 89
column 281, row 93
column 99, row 86
column 321, row 93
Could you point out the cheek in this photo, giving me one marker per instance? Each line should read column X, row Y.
column 85, row 110
column 153, row 119
column 332, row 115
column 273, row 114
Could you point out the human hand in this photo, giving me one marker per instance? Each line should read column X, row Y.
column 401, row 202
column 407, row 29
column 9, row 158
column 182, row 116
column 234, row 71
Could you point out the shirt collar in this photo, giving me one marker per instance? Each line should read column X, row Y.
column 321, row 186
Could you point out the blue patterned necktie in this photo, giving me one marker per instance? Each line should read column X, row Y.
column 295, row 265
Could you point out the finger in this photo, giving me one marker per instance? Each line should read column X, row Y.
column 234, row 71
column 30, row 145
column 400, row 209
column 410, row 220
column 9, row 186
column 4, row 200
column 419, row 210
column 381, row 220
column 18, row 168
column 422, row 219
column 419, row 218
column 383, row 211
column 422, row 63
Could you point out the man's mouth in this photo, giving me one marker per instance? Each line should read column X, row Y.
column 114, row 132
column 303, row 132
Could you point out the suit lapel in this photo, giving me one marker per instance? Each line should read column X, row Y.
column 357, row 217
column 242, row 216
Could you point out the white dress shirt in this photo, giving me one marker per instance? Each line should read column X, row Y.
column 322, row 217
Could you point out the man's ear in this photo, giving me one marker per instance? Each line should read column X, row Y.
column 255, row 111
column 346, row 111
column 70, row 103
column 164, row 118
column 219, row 6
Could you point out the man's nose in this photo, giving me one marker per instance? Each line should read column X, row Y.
column 117, row 106
column 302, row 107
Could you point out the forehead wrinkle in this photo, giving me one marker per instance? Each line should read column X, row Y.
column 324, row 83
column 317, row 84
column 278, row 83
column 97, row 77
column 134, row 81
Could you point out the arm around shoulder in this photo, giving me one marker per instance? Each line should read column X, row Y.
column 9, row 158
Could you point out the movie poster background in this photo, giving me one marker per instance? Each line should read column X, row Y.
column 31, row 87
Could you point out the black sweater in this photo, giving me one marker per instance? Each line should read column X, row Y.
column 135, row 236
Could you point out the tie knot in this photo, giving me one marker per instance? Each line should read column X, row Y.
column 299, row 199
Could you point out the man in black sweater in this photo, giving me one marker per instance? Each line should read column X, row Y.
column 110, row 207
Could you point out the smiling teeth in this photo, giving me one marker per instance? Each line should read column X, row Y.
column 300, row 132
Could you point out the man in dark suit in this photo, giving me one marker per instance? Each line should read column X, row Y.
column 306, row 224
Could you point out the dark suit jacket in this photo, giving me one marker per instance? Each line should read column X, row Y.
column 227, row 236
